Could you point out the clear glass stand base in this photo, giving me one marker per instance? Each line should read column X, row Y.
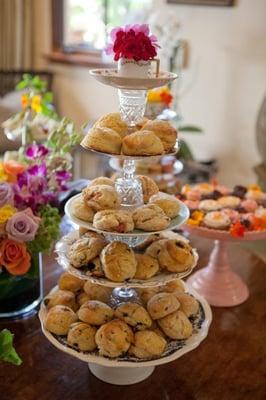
column 129, row 187
column 132, row 105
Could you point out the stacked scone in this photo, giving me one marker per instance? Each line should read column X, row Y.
column 117, row 262
column 83, row 316
column 100, row 205
column 111, row 135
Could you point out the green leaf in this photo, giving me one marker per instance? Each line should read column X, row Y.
column 190, row 128
column 7, row 351
column 48, row 97
column 184, row 152
column 21, row 85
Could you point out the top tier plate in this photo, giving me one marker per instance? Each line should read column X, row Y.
column 110, row 77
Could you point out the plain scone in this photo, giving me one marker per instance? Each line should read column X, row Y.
column 164, row 131
column 142, row 143
column 147, row 344
column 105, row 140
column 113, row 121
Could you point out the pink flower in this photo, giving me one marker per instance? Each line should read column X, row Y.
column 23, row 226
column 6, row 194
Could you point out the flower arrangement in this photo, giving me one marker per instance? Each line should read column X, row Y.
column 133, row 42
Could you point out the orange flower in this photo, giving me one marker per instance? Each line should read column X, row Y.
column 12, row 169
column 237, row 229
column 14, row 257
column 196, row 218
column 24, row 100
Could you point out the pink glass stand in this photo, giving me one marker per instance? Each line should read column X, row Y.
column 217, row 282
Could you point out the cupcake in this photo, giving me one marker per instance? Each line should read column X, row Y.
column 216, row 220
column 209, row 205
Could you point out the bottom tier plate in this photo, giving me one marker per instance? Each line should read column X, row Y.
column 175, row 348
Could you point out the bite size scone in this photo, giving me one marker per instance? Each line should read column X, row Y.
column 118, row 261
column 176, row 325
column 150, row 239
column 70, row 282
column 147, row 344
column 162, row 304
column 188, row 304
column 147, row 294
column 81, row 210
column 142, row 143
column 229, row 201
column 82, row 298
column 164, row 131
column 82, row 336
column 113, row 121
column 85, row 250
column 113, row 221
column 150, row 218
column 216, row 220
column 59, row 318
column 102, row 180
column 174, row 286
column 167, row 202
column 95, row 268
column 105, row 140
column 97, row 292
column 147, row 266
column 209, row 205
column 149, row 187
column 114, row 338
column 134, row 315
column 101, row 197
column 95, row 312
column 63, row 298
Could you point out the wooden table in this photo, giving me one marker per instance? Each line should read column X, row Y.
column 228, row 365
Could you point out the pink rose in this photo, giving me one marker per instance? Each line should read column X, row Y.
column 6, row 194
column 23, row 226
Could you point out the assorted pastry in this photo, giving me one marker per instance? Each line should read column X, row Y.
column 85, row 318
column 238, row 210
column 117, row 262
column 100, row 205
column 110, row 134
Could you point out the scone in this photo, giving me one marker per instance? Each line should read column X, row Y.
column 82, row 336
column 147, row 266
column 150, row 218
column 146, row 242
column 114, row 338
column 103, row 139
column 134, row 315
column 113, row 121
column 70, row 282
column 84, row 250
column 209, row 205
column 147, row 294
column 58, row 319
column 102, row 180
column 164, row 131
column 82, row 298
column 174, row 286
column 95, row 268
column 101, row 197
column 142, row 143
column 188, row 304
column 95, row 312
column 97, row 292
column 149, row 187
column 168, row 203
column 147, row 344
column 81, row 210
column 118, row 261
column 229, row 201
column 162, row 304
column 176, row 325
column 63, row 298
column 113, row 221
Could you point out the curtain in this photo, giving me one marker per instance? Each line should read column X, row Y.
column 16, row 34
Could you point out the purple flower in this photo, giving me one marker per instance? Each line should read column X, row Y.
column 36, row 151
column 34, row 178
column 23, row 226
column 6, row 194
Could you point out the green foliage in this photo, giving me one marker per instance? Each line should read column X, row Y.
column 33, row 83
column 190, row 128
column 184, row 152
column 64, row 137
column 7, row 351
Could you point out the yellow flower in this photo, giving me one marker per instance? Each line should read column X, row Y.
column 255, row 187
column 24, row 100
column 36, row 104
column 195, row 218
column 3, row 174
column 6, row 212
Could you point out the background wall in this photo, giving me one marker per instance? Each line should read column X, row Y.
column 227, row 67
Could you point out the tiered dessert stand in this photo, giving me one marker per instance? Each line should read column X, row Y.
column 126, row 370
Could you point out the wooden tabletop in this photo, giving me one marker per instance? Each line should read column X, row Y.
column 229, row 365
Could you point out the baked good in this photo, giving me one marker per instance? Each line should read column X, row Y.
column 147, row 294
column 168, row 203
column 102, row 180
column 141, row 123
column 216, row 220
column 142, row 143
column 188, row 304
column 95, row 312
column 204, row 188
column 97, row 292
column 150, row 218
column 164, row 131
column 70, row 282
column 95, row 268
column 113, row 121
column 174, row 286
column 149, row 187
column 229, row 201
column 176, row 325
column 114, row 338
column 134, row 315
column 101, row 197
column 61, row 297
column 147, row 266
column 146, row 242
column 85, row 250
column 147, row 344
column 162, row 304
column 249, row 205
column 118, row 261
column 105, row 140
column 174, row 255
column 82, row 336
column 256, row 195
column 209, row 205
column 155, row 248
column 81, row 210
column 59, row 318
column 82, row 298
column 113, row 221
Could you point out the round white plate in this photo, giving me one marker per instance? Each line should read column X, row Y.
column 110, row 77
column 62, row 249
column 177, row 168
column 175, row 222
column 175, row 348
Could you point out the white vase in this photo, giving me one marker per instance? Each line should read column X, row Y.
column 130, row 68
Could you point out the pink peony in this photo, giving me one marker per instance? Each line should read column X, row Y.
column 23, row 226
